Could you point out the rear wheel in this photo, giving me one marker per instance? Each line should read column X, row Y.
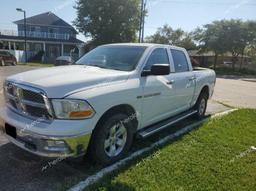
column 112, row 139
column 14, row 63
column 201, row 105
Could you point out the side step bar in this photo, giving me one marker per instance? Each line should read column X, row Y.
column 152, row 129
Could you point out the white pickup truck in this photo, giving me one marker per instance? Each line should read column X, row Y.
column 100, row 104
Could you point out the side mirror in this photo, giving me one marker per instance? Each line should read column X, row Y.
column 158, row 70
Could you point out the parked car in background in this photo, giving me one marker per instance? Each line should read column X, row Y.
column 63, row 60
column 111, row 95
column 6, row 58
column 228, row 63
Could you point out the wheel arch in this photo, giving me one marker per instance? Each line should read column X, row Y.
column 122, row 108
column 205, row 90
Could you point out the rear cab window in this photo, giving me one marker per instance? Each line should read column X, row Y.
column 180, row 61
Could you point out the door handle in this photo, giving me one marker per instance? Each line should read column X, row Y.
column 192, row 78
column 170, row 82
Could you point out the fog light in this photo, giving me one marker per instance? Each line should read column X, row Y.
column 56, row 146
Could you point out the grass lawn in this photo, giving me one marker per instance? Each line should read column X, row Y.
column 35, row 64
column 217, row 156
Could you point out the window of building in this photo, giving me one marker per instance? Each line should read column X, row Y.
column 52, row 30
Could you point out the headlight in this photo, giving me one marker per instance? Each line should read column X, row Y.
column 72, row 109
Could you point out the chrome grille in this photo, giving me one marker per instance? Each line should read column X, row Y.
column 27, row 101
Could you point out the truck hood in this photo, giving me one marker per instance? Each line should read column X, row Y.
column 62, row 81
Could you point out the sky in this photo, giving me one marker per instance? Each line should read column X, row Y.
column 184, row 14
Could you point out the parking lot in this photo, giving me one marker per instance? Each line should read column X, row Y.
column 236, row 91
column 23, row 171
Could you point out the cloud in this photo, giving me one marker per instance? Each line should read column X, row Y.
column 236, row 6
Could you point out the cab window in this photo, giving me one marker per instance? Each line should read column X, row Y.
column 158, row 56
column 180, row 61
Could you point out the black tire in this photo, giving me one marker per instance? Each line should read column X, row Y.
column 97, row 150
column 201, row 105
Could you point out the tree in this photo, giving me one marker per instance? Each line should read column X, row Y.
column 226, row 36
column 108, row 21
column 236, row 38
column 239, row 35
column 211, row 38
column 166, row 35
column 250, row 49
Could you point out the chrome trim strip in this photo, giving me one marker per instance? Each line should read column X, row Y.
column 22, row 145
column 26, row 102
column 71, row 141
column 12, row 97
column 24, row 114
column 31, row 103
column 46, row 104
column 149, row 95
column 51, row 137
column 36, row 90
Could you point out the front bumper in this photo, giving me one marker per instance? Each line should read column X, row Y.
column 44, row 145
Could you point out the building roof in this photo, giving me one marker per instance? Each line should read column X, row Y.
column 46, row 19
column 71, row 40
column 198, row 53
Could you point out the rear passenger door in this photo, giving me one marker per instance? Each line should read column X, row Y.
column 184, row 83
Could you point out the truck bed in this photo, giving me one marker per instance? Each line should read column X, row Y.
column 199, row 68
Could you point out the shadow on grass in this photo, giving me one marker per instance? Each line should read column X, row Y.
column 107, row 181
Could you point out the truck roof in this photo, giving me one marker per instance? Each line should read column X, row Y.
column 140, row 44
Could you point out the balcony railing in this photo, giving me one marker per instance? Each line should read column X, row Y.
column 63, row 36
column 8, row 32
column 45, row 35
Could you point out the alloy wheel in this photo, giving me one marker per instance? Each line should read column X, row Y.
column 116, row 140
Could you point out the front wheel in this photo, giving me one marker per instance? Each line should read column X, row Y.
column 201, row 106
column 2, row 63
column 112, row 139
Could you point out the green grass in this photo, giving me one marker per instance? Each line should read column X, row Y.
column 216, row 156
column 35, row 64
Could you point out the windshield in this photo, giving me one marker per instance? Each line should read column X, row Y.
column 123, row 58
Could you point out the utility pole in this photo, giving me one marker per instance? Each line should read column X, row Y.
column 25, row 31
column 141, row 20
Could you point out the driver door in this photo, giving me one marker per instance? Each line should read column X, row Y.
column 157, row 92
